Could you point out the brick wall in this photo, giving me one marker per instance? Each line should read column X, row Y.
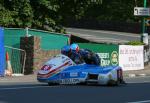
column 35, row 56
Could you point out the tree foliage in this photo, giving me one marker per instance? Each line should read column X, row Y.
column 51, row 14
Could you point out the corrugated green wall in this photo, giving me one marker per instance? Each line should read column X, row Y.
column 49, row 40
column 99, row 47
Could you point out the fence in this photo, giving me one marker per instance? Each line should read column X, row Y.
column 17, row 59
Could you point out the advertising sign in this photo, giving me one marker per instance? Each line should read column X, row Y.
column 2, row 55
column 131, row 57
column 108, row 58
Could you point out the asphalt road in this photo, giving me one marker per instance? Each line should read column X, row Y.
column 104, row 36
column 137, row 90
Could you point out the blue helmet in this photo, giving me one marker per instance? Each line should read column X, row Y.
column 74, row 47
column 65, row 49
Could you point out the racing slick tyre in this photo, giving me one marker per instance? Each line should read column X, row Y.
column 116, row 83
column 113, row 83
column 122, row 82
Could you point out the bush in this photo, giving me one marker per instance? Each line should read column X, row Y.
column 135, row 43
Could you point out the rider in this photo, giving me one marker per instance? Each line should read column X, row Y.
column 75, row 54
column 72, row 51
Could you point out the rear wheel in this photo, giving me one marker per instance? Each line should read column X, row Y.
column 113, row 83
column 120, row 77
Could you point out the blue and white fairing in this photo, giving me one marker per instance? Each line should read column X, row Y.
column 63, row 70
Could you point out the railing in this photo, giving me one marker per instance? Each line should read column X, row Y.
column 17, row 58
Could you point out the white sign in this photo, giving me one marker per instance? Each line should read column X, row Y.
column 131, row 57
column 141, row 11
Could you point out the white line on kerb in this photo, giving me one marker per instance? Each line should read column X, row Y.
column 146, row 101
column 16, row 88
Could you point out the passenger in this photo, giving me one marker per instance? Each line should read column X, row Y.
column 90, row 57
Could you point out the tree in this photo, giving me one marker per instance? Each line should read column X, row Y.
column 45, row 14
column 5, row 15
column 25, row 13
column 17, row 13
column 51, row 14
column 72, row 10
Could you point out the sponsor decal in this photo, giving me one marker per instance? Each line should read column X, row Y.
column 110, row 58
column 104, row 59
column 53, row 72
column 73, row 74
column 46, row 67
column 69, row 81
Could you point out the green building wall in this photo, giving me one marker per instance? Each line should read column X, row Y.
column 49, row 40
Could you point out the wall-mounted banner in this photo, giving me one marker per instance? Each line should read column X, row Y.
column 2, row 55
column 108, row 58
column 131, row 57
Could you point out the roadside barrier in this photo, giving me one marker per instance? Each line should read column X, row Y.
column 15, row 61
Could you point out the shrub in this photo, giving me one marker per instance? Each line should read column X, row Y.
column 135, row 43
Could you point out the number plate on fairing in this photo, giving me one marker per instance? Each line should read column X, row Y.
column 69, row 81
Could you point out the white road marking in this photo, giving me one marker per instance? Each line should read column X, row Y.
column 17, row 88
column 146, row 101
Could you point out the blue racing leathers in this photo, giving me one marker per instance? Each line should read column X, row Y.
column 89, row 57
column 76, row 57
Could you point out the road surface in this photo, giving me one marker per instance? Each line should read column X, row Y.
column 137, row 90
column 104, row 36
